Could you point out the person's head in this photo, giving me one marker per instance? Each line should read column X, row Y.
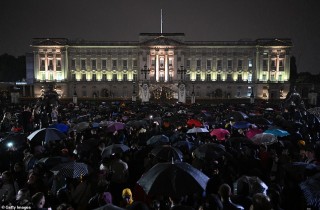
column 138, row 206
column 23, row 194
column 38, row 200
column 32, row 178
column 260, row 202
column 225, row 191
column 106, row 197
column 127, row 196
column 212, row 202
column 6, row 177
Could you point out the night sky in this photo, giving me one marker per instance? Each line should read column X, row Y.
column 200, row 20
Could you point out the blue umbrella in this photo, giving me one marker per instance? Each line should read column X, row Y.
column 277, row 132
column 241, row 125
column 61, row 127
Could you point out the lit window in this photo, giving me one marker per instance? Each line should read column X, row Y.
column 250, row 63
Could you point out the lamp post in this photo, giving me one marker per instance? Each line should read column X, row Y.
column 193, row 97
column 145, row 71
column 252, row 97
column 75, row 96
column 134, row 97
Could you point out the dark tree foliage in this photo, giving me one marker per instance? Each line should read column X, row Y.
column 12, row 68
column 293, row 71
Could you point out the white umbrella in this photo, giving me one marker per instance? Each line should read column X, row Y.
column 198, row 130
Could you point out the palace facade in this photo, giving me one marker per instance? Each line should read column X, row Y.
column 218, row 69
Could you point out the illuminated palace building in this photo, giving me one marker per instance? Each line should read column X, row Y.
column 162, row 62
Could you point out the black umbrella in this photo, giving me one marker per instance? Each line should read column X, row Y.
column 255, row 184
column 50, row 162
column 158, row 140
column 46, row 135
column 178, row 178
column 167, row 152
column 109, row 207
column 311, row 190
column 209, row 151
column 71, row 169
column 114, row 149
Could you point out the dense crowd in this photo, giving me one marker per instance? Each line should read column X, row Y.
column 111, row 180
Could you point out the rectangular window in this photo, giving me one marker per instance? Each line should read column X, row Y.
column 161, row 63
column 250, row 63
column 249, row 77
column 42, row 65
column 161, row 78
column 208, row 77
column 83, row 64
column 249, row 92
column 229, row 65
column 135, row 63
column 198, row 77
column 135, row 77
column 104, row 77
column 50, row 66
column 209, row 64
column 114, row 77
column 188, row 64
column 280, row 63
column 114, row 64
column 125, row 77
column 219, row 64
column 104, row 64
column 153, row 62
column 94, row 77
column 94, row 64
column 265, row 64
column 59, row 64
column 264, row 77
column 125, row 64
column 73, row 77
column 218, row 77
column 273, row 63
column 73, row 64
column 239, row 79
column 229, row 78
column 272, row 77
column 51, row 76
column 280, row 78
column 198, row 64
column 240, row 64
column 83, row 77
column 170, row 62
column 187, row 77
column 43, row 77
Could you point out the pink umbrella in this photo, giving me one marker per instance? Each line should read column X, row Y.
column 220, row 133
column 252, row 132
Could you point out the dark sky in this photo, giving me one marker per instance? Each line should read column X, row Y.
column 200, row 20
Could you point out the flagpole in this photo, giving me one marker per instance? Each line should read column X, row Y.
column 161, row 22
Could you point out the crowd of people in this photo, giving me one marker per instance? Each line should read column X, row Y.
column 111, row 181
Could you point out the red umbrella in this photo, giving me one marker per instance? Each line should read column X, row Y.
column 194, row 123
column 252, row 132
column 220, row 133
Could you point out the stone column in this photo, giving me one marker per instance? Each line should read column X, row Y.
column 157, row 67
column 166, row 68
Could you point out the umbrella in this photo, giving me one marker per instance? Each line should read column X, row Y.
column 105, row 123
column 109, row 207
column 255, row 184
column 211, row 150
column 238, row 116
column 264, row 138
column 61, row 127
column 115, row 126
column 46, row 134
column 252, row 132
column 71, row 169
column 311, row 191
column 241, row 125
column 50, row 162
column 158, row 140
column 81, row 126
column 114, row 149
column 220, row 133
column 167, row 152
column 194, row 123
column 260, row 121
column 198, row 130
column 277, row 132
column 177, row 178
column 184, row 145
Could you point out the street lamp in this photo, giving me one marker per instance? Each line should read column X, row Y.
column 182, row 71
column 133, row 91
column 192, row 88
column 145, row 71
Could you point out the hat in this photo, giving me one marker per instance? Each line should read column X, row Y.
column 126, row 192
column 107, row 197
